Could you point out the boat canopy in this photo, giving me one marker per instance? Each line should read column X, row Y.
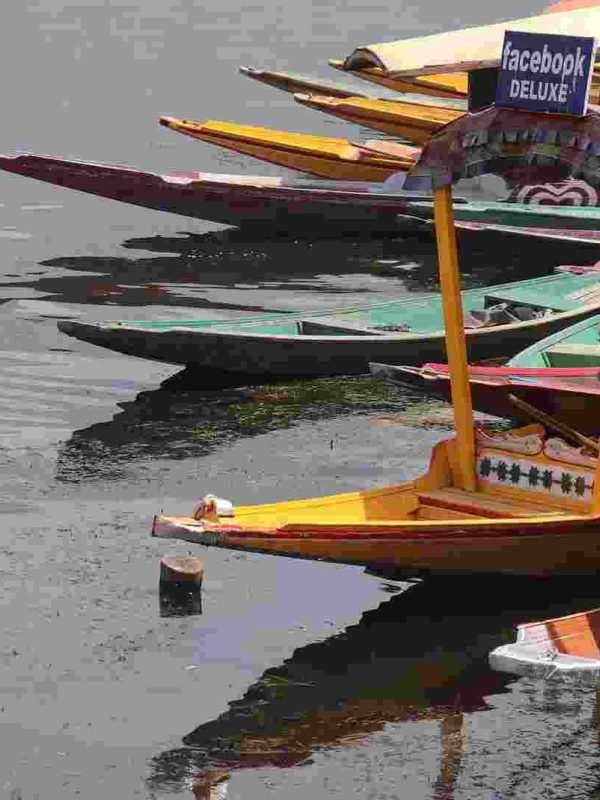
column 469, row 48
column 523, row 147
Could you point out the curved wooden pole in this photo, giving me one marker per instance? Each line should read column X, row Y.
column 456, row 346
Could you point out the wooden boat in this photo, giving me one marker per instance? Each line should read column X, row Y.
column 563, row 647
column 415, row 122
column 292, row 204
column 575, row 347
column 450, row 86
column 292, row 82
column 513, row 502
column 343, row 341
column 317, row 206
column 531, row 215
column 571, row 395
column 324, row 156
column 527, row 514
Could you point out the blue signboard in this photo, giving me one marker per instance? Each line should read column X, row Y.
column 545, row 72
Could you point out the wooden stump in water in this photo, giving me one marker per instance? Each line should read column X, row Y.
column 184, row 571
column 180, row 588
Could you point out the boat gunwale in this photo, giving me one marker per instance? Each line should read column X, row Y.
column 405, row 530
column 549, row 621
column 366, row 156
column 404, row 302
column 384, row 336
column 540, row 347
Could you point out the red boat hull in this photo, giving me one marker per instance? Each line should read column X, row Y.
column 570, row 395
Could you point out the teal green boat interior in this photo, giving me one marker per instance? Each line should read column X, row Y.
column 527, row 215
column 418, row 314
column 577, row 346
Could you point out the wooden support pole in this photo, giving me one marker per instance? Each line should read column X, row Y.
column 596, row 496
column 456, row 347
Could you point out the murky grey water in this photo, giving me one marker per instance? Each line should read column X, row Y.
column 298, row 678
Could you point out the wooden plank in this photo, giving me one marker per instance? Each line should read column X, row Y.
column 477, row 503
column 456, row 347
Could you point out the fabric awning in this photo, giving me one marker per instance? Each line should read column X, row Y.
column 467, row 49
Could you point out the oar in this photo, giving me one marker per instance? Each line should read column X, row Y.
column 561, row 427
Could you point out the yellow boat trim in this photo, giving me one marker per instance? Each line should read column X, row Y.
column 416, row 122
column 318, row 155
column 450, row 86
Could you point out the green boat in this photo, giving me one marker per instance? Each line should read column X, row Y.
column 500, row 321
column 523, row 215
column 559, row 375
column 576, row 346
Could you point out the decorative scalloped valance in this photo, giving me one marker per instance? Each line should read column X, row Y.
column 520, row 146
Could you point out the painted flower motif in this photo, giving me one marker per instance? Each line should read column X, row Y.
column 566, row 482
column 502, row 470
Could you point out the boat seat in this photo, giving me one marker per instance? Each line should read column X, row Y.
column 334, row 326
column 573, row 355
column 478, row 503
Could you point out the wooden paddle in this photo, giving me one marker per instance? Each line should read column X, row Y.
column 561, row 427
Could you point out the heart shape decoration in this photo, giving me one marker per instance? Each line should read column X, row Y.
column 567, row 193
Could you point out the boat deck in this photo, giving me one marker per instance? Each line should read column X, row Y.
column 479, row 504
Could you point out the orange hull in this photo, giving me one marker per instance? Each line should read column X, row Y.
column 569, row 545
column 564, row 646
column 575, row 635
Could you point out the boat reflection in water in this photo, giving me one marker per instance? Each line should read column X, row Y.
column 179, row 602
column 173, row 422
column 420, row 656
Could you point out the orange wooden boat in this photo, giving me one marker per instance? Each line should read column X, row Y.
column 561, row 647
column 416, row 122
column 324, row 156
column 528, row 514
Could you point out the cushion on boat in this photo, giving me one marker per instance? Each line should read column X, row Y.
column 501, row 314
column 528, row 440
column 212, row 507
column 559, row 450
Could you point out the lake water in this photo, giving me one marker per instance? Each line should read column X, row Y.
column 305, row 679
